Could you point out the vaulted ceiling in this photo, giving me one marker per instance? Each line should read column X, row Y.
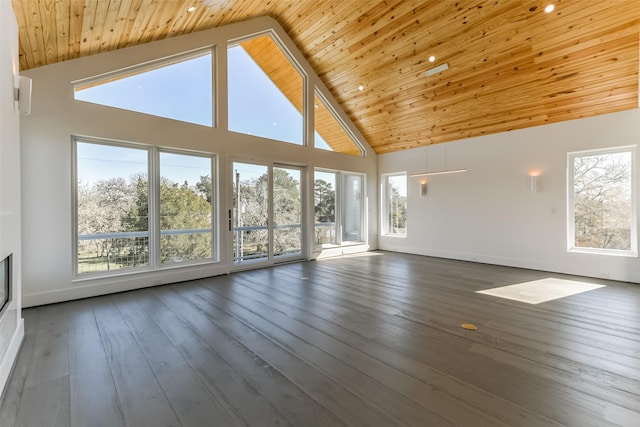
column 511, row 65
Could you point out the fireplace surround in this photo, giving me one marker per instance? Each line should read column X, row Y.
column 5, row 283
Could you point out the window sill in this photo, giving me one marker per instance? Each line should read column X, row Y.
column 610, row 252
column 142, row 271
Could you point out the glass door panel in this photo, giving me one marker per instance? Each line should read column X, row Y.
column 325, row 208
column 287, row 212
column 250, row 214
column 351, row 208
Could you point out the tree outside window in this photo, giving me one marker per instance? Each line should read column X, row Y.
column 601, row 208
column 395, row 204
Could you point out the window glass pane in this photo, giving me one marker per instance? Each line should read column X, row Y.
column 395, row 199
column 602, row 201
column 265, row 91
column 250, row 212
column 179, row 90
column 185, row 208
column 112, row 208
column 325, row 208
column 287, row 212
column 351, row 208
column 329, row 133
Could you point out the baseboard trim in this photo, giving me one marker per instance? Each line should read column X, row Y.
column 111, row 285
column 10, row 357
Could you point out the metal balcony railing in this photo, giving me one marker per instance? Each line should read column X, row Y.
column 101, row 252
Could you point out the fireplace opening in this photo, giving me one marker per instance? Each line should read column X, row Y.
column 5, row 282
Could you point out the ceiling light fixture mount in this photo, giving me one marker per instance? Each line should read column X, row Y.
column 191, row 9
column 436, row 70
column 432, row 58
column 549, row 8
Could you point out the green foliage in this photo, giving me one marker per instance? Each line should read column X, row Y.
column 118, row 205
column 136, row 218
column 252, row 207
column 325, row 201
column 205, row 187
column 182, row 208
column 397, row 210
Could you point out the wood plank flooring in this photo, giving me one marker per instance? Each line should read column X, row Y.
column 369, row 340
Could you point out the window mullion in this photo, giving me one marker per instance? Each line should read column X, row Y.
column 154, row 207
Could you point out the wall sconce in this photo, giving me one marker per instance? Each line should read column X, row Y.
column 22, row 95
column 423, row 188
column 533, row 177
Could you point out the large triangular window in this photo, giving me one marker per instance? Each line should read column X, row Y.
column 266, row 91
column 179, row 88
column 330, row 134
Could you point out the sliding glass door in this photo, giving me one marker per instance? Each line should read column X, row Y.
column 339, row 208
column 266, row 218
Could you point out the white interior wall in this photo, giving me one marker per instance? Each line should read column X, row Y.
column 46, row 159
column 11, row 323
column 489, row 214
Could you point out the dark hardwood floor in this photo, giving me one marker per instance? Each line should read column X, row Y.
column 369, row 340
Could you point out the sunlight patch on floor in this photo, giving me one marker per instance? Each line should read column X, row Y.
column 539, row 291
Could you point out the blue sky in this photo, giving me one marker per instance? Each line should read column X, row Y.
column 100, row 162
column 180, row 91
column 183, row 91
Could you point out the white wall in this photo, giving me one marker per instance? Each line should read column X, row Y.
column 11, row 324
column 488, row 214
column 46, row 159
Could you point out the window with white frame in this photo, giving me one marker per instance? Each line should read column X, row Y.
column 602, row 200
column 140, row 207
column 394, row 204
column 178, row 88
column 266, row 90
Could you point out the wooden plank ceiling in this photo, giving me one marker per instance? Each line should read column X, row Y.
column 511, row 65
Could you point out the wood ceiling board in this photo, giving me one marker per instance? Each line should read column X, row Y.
column 507, row 59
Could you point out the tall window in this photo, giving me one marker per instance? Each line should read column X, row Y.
column 339, row 208
column 325, row 208
column 394, row 208
column 185, row 208
column 266, row 91
column 112, row 202
column 602, row 200
column 127, row 218
column 178, row 88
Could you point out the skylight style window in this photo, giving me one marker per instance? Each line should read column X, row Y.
column 179, row 88
column 602, row 200
column 330, row 133
column 266, row 91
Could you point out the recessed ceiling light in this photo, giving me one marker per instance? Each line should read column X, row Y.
column 361, row 87
column 432, row 58
column 191, row 9
column 549, row 8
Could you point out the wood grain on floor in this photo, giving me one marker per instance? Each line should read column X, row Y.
column 353, row 341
